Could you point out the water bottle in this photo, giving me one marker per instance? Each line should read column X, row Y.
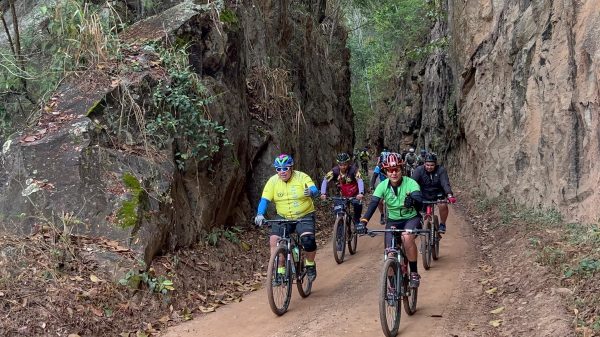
column 295, row 253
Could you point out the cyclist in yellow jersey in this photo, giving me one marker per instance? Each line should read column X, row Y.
column 291, row 191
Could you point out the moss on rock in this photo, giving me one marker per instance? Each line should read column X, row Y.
column 128, row 213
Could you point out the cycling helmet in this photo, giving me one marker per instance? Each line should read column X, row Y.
column 431, row 157
column 382, row 156
column 283, row 160
column 392, row 160
column 411, row 150
column 342, row 158
column 423, row 152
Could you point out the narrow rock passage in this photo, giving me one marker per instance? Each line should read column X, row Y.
column 344, row 301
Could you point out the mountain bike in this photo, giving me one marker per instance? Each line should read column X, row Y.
column 288, row 254
column 344, row 230
column 408, row 170
column 395, row 281
column 430, row 244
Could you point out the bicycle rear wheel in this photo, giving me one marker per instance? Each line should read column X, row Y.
column 339, row 239
column 389, row 299
column 279, row 286
column 426, row 245
column 409, row 294
column 436, row 238
column 303, row 284
column 352, row 235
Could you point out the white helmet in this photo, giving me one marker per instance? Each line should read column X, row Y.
column 411, row 150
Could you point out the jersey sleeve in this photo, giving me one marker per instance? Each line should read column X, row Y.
column 329, row 176
column 307, row 181
column 413, row 186
column 269, row 190
column 445, row 181
column 357, row 175
column 379, row 190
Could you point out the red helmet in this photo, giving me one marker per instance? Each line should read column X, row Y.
column 392, row 160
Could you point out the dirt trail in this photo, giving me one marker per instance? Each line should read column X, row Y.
column 344, row 301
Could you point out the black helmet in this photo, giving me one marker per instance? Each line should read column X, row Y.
column 342, row 158
column 431, row 157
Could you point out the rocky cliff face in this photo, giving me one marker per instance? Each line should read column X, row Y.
column 418, row 109
column 278, row 75
column 528, row 96
column 512, row 105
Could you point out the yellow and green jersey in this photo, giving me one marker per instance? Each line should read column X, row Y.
column 288, row 197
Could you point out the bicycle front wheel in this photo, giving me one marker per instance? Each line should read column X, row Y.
column 426, row 245
column 303, row 283
column 436, row 238
column 339, row 239
column 352, row 235
column 389, row 301
column 279, row 285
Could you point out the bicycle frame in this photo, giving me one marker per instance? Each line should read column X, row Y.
column 289, row 241
column 345, row 210
column 433, row 244
column 396, row 250
column 343, row 232
column 295, row 271
column 393, row 291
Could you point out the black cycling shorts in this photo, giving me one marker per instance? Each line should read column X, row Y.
column 306, row 224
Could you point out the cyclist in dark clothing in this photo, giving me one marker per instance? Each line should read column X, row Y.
column 433, row 180
column 347, row 177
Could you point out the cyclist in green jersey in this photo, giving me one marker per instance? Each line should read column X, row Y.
column 400, row 193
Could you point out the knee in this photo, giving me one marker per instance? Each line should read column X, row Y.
column 308, row 242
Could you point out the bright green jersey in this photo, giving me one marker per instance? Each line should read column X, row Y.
column 395, row 203
column 289, row 198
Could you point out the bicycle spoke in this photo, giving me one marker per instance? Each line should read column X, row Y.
column 279, row 284
column 389, row 304
column 339, row 239
column 303, row 284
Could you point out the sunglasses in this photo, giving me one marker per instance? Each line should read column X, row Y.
column 393, row 170
column 282, row 169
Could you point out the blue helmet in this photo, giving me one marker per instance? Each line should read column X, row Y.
column 283, row 160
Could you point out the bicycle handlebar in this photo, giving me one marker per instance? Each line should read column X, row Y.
column 374, row 232
column 268, row 223
column 440, row 201
column 344, row 198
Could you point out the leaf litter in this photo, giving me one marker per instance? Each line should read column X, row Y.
column 63, row 287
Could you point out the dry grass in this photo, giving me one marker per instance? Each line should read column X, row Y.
column 269, row 89
column 568, row 253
